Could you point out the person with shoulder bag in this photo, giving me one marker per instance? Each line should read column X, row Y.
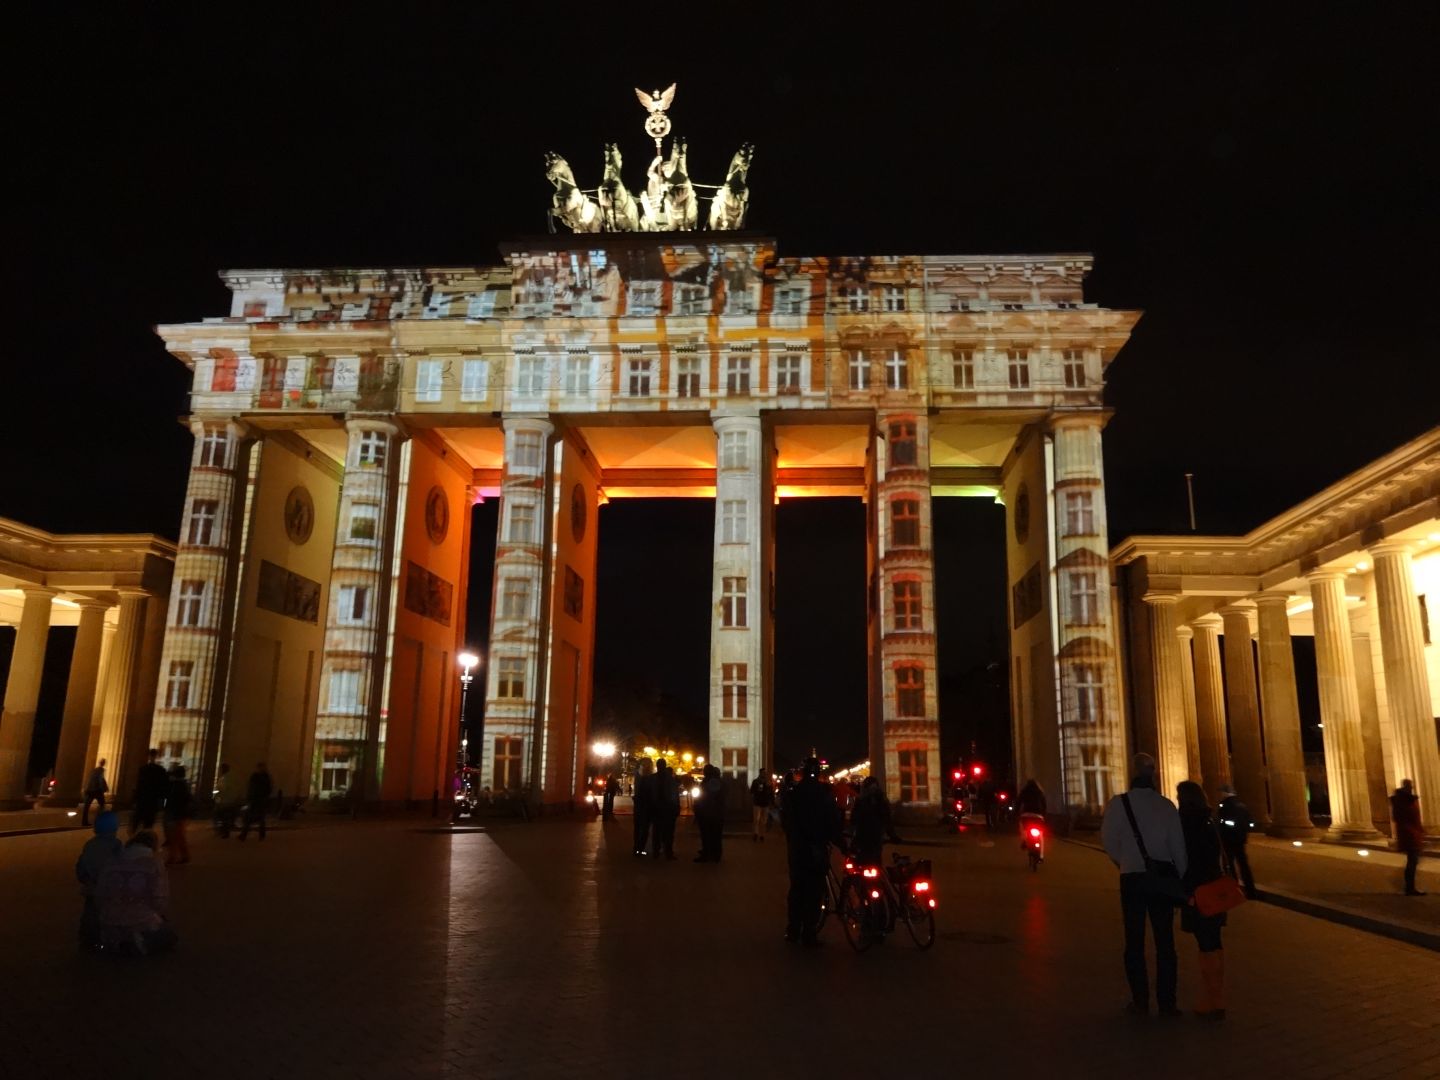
column 1141, row 833
column 1213, row 892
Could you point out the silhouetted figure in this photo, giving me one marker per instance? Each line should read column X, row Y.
column 612, row 785
column 1202, row 850
column 762, row 798
column 710, row 815
column 177, row 812
column 95, row 789
column 134, row 897
column 871, row 823
column 97, row 853
column 226, row 801
column 1234, row 819
column 812, row 823
column 1157, row 824
column 1409, row 832
column 644, row 805
column 667, row 809
column 1031, row 799
column 151, row 784
column 257, row 801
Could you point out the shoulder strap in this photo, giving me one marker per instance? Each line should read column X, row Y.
column 1134, row 827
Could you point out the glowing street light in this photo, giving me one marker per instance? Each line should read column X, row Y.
column 468, row 661
column 649, row 751
column 603, row 749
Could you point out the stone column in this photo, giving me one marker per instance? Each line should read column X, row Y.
column 1340, row 709
column 1242, row 705
column 347, row 725
column 1366, row 663
column 1210, row 707
column 70, row 764
column 515, row 669
column 22, row 692
column 1174, row 758
column 1187, row 694
column 97, row 711
column 1407, row 686
column 739, row 591
column 197, row 628
column 1289, row 812
column 124, row 669
column 1092, row 727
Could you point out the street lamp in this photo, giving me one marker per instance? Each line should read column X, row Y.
column 468, row 661
column 603, row 750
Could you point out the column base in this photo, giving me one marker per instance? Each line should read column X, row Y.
column 1292, row 832
column 1349, row 834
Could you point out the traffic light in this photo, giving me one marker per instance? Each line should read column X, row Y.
column 977, row 770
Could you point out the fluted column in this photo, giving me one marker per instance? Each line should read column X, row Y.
column 1210, row 706
column 1284, row 754
column 1169, row 705
column 70, row 764
column 1242, row 705
column 117, row 726
column 1339, row 708
column 1407, row 686
column 1187, row 695
column 22, row 692
column 97, row 710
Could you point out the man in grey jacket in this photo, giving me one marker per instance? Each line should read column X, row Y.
column 1159, row 825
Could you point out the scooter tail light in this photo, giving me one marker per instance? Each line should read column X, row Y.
column 874, row 894
column 932, row 901
column 870, row 871
column 922, row 886
column 1035, row 833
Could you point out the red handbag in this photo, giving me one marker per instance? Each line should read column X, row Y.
column 1218, row 896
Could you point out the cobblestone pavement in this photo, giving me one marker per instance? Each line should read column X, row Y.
column 395, row 950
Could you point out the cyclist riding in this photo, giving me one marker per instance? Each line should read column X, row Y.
column 1031, row 805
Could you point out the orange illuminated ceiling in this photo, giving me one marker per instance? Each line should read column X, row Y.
column 679, row 460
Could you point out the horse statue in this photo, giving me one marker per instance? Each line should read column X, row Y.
column 727, row 208
column 681, row 207
column 569, row 203
column 618, row 212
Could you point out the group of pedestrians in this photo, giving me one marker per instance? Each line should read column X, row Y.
column 657, row 806
column 125, row 890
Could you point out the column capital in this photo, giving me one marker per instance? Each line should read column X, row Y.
column 1326, row 575
column 1211, row 622
column 524, row 422
column 130, row 592
column 1240, row 607
column 92, row 603
column 1079, row 418
column 736, row 421
column 1389, row 547
column 38, row 592
column 1184, row 630
column 1161, row 599
column 372, row 423
column 1270, row 596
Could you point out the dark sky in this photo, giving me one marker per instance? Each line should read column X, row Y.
column 1262, row 186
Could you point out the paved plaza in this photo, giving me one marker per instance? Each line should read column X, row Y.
column 395, row 949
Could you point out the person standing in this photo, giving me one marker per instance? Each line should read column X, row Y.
column 224, row 801
column 95, row 789
column 151, row 784
column 762, row 798
column 1409, row 832
column 1235, row 823
column 1202, row 852
column 1144, row 817
column 710, row 815
column 644, row 804
column 872, row 823
column 812, row 823
column 177, row 812
column 97, row 853
column 612, row 785
column 667, row 809
column 257, row 800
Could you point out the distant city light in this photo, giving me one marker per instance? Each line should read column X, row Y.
column 604, row 749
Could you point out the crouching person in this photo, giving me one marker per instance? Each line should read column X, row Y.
column 134, row 898
column 99, row 851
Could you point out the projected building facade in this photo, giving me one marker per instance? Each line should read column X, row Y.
column 346, row 421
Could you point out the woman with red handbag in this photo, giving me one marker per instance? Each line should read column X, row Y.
column 1202, row 846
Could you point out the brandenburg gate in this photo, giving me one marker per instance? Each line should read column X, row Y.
column 346, row 420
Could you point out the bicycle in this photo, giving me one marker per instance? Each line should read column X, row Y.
column 830, row 901
column 872, row 898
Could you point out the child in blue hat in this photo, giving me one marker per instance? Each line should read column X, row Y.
column 99, row 850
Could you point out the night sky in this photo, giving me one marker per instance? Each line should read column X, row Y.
column 1263, row 188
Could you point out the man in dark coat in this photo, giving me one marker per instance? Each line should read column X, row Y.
column 812, row 823
column 1235, row 821
column 1409, row 832
column 257, row 800
column 150, row 787
column 667, row 809
column 710, row 815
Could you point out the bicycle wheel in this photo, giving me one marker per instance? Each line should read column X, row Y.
column 920, row 921
column 827, row 901
column 854, row 916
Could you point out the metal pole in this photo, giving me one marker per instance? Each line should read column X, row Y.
column 1190, row 493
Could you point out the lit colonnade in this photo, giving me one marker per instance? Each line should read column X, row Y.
column 1209, row 628
column 369, row 409
column 112, row 589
